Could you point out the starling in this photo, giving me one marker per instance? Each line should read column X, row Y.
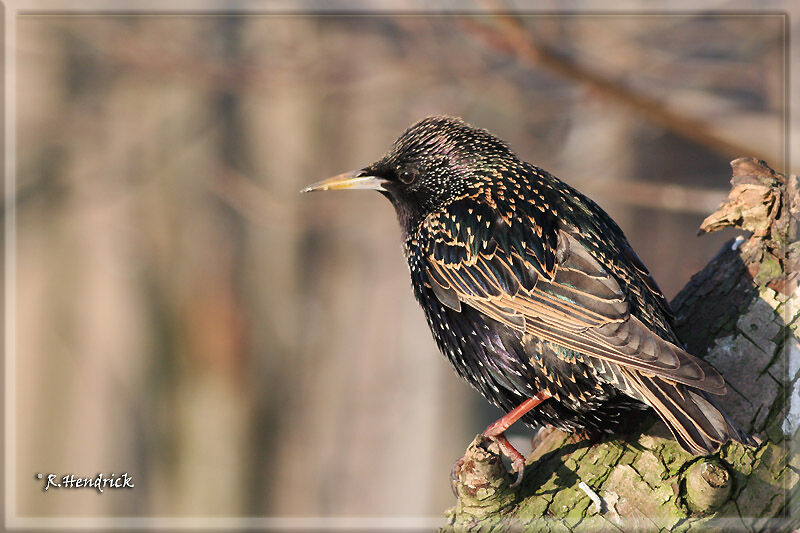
column 533, row 293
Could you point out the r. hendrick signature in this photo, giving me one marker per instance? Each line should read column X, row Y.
column 98, row 482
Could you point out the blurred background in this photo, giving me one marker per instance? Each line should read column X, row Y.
column 184, row 315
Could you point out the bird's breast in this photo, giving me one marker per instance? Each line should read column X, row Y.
column 505, row 366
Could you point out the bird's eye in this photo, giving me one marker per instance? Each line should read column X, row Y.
column 408, row 176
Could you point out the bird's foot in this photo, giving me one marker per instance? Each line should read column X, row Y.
column 507, row 449
column 496, row 432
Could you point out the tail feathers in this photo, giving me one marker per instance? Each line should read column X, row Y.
column 691, row 415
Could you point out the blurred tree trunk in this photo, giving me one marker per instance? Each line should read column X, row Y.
column 739, row 313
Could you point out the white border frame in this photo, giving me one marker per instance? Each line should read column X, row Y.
column 171, row 7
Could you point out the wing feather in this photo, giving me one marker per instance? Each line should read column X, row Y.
column 576, row 303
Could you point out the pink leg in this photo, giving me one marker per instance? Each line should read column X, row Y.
column 500, row 426
column 496, row 432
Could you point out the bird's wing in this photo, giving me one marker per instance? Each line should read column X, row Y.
column 540, row 280
column 636, row 267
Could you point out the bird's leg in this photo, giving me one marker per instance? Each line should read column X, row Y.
column 496, row 432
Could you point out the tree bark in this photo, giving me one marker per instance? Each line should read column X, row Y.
column 740, row 314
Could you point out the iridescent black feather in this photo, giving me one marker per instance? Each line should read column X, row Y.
column 529, row 286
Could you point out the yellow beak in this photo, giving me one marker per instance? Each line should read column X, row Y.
column 348, row 180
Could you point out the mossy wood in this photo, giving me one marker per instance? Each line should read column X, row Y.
column 740, row 313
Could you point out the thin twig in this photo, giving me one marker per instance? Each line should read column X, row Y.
column 508, row 35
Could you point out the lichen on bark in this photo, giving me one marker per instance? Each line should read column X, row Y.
column 740, row 313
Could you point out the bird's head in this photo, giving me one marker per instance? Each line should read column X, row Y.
column 435, row 161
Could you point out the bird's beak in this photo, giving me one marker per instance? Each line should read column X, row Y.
column 348, row 180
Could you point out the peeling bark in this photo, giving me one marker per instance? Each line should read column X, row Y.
column 740, row 313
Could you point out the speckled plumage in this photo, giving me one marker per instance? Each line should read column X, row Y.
column 529, row 286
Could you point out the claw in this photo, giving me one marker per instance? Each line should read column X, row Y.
column 454, row 475
column 519, row 466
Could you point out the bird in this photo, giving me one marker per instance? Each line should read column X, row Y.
column 535, row 295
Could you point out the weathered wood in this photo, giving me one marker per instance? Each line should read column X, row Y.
column 740, row 313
